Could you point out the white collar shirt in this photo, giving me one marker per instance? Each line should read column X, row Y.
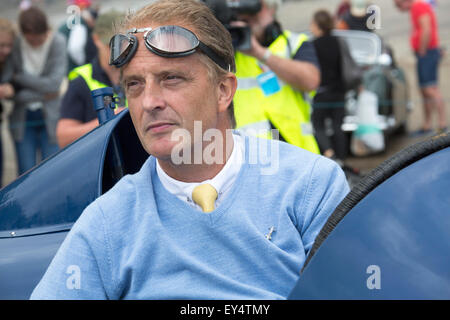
column 222, row 182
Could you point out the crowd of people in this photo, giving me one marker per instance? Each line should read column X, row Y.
column 36, row 61
column 302, row 77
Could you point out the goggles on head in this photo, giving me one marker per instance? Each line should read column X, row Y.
column 165, row 41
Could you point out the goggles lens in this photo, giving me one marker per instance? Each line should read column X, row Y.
column 166, row 41
column 172, row 40
column 120, row 48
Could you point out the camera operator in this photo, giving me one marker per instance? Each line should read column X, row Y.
column 275, row 78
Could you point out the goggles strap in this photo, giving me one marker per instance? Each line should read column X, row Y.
column 214, row 57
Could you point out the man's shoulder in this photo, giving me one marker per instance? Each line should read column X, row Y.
column 281, row 155
column 58, row 42
column 307, row 51
column 77, row 96
column 290, row 150
column 58, row 39
column 77, row 82
column 125, row 193
column 301, row 159
column 78, row 85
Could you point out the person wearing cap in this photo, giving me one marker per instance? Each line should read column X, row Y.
column 276, row 77
column 196, row 228
column 77, row 114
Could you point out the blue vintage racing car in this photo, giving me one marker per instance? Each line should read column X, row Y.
column 388, row 239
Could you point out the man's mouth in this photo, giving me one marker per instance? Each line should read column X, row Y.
column 158, row 127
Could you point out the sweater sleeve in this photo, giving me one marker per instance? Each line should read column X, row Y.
column 327, row 188
column 26, row 95
column 50, row 80
column 81, row 268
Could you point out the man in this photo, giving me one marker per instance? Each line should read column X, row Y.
column 274, row 80
column 147, row 238
column 425, row 44
column 78, row 116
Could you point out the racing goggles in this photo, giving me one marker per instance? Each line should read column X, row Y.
column 165, row 41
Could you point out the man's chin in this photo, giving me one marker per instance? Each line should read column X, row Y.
column 161, row 148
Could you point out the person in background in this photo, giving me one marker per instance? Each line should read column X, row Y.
column 433, row 3
column 81, row 48
column 27, row 4
column 343, row 8
column 77, row 114
column 424, row 42
column 355, row 18
column 329, row 101
column 275, row 78
column 40, row 63
column 193, row 230
column 7, row 36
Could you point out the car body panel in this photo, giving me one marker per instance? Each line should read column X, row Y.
column 24, row 260
column 402, row 228
column 38, row 209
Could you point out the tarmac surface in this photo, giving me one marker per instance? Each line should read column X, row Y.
column 296, row 16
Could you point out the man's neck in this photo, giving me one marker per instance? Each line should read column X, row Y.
column 199, row 172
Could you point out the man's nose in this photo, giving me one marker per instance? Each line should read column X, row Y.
column 153, row 97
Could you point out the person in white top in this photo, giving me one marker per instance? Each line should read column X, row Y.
column 40, row 64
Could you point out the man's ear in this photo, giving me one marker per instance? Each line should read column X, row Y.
column 226, row 90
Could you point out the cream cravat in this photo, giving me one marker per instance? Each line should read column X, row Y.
column 205, row 195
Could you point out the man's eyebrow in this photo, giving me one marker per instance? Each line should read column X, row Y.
column 130, row 77
column 161, row 74
column 165, row 73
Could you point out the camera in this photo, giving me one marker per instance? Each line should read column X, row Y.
column 227, row 11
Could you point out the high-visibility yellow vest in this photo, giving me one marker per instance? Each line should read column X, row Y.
column 286, row 110
column 85, row 71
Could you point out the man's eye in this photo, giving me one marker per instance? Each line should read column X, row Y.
column 131, row 84
column 173, row 77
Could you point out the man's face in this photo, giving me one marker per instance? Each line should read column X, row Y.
column 35, row 40
column 165, row 94
column 403, row 5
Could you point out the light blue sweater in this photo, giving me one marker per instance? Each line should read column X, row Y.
column 138, row 241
